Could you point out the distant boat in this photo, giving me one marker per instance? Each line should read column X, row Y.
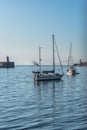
column 48, row 75
column 71, row 68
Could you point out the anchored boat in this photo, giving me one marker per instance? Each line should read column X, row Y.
column 71, row 68
column 48, row 75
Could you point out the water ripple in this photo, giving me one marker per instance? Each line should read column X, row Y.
column 25, row 105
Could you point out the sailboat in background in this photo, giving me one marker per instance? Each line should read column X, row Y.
column 48, row 75
column 71, row 68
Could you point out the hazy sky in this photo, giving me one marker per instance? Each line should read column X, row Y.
column 27, row 24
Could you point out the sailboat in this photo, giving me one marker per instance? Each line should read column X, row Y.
column 48, row 75
column 71, row 68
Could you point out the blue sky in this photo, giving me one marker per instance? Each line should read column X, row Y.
column 27, row 24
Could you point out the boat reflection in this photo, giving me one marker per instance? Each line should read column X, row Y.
column 45, row 83
column 47, row 101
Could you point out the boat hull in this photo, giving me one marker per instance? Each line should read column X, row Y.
column 72, row 72
column 47, row 77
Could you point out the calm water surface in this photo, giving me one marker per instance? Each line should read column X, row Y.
column 26, row 105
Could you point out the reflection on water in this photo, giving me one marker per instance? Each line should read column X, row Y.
column 54, row 105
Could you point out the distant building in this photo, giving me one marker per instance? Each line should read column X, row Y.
column 7, row 64
column 81, row 63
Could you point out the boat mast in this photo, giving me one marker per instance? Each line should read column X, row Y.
column 70, row 58
column 40, row 59
column 53, row 55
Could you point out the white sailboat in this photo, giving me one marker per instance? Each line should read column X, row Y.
column 48, row 75
column 71, row 68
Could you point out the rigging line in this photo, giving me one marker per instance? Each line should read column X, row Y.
column 59, row 57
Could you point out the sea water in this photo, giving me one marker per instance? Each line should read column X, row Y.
column 54, row 105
